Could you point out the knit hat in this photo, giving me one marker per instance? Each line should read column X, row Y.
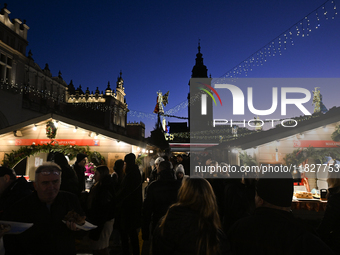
column 9, row 171
column 159, row 160
column 180, row 169
column 276, row 191
column 80, row 157
column 130, row 158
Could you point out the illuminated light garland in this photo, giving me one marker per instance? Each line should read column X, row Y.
column 302, row 28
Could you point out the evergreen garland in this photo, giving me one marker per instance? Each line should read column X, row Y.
column 11, row 159
column 336, row 134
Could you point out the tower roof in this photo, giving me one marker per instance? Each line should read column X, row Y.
column 199, row 70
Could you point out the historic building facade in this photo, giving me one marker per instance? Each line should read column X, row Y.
column 28, row 91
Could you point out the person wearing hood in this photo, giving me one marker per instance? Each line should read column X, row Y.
column 180, row 172
column 160, row 195
column 79, row 168
column 129, row 203
column 155, row 171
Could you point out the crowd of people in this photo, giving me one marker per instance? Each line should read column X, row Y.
column 177, row 215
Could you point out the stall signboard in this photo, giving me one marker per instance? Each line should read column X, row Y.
column 316, row 144
column 79, row 142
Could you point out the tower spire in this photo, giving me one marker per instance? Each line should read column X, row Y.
column 199, row 45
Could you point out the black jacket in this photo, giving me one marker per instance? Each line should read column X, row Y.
column 329, row 229
column 236, row 204
column 129, row 199
column 271, row 231
column 160, row 195
column 181, row 233
column 102, row 206
column 48, row 235
column 80, row 172
column 18, row 189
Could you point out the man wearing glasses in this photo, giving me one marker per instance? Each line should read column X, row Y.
column 46, row 209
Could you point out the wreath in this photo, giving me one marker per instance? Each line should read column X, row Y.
column 51, row 130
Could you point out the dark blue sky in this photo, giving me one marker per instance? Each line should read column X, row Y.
column 154, row 43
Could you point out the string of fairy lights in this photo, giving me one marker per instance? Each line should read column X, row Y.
column 302, row 28
column 276, row 47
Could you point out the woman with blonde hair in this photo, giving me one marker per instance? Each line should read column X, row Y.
column 192, row 225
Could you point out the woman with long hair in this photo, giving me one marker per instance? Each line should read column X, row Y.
column 192, row 225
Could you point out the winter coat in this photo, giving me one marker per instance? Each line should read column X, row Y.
column 129, row 199
column 236, row 204
column 181, row 233
column 80, row 172
column 18, row 189
column 102, row 203
column 160, row 195
column 272, row 231
column 48, row 235
column 329, row 229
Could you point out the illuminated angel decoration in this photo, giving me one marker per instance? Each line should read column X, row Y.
column 161, row 100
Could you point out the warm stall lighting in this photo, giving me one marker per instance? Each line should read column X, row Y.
column 75, row 129
column 56, row 123
column 234, row 151
column 96, row 136
column 151, row 151
column 138, row 149
column 143, row 150
column 35, row 127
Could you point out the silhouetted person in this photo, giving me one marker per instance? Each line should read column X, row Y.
column 272, row 229
column 101, row 208
column 129, row 200
column 12, row 189
column 118, row 174
column 236, row 204
column 79, row 168
column 69, row 179
column 160, row 195
column 329, row 229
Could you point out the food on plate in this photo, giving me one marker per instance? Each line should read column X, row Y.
column 4, row 228
column 303, row 194
column 72, row 216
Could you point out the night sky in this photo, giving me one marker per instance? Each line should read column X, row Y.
column 154, row 43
